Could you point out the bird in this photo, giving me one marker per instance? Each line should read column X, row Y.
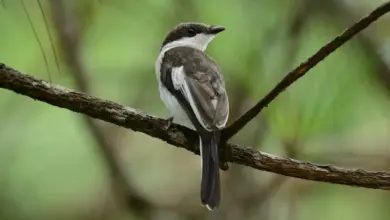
column 192, row 87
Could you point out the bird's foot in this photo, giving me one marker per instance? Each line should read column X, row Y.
column 224, row 151
column 169, row 123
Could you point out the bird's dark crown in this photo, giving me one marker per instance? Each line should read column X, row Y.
column 190, row 29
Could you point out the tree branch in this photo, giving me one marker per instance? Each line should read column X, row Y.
column 302, row 69
column 182, row 137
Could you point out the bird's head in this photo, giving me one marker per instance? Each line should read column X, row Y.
column 195, row 35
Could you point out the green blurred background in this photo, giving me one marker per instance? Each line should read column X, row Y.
column 51, row 165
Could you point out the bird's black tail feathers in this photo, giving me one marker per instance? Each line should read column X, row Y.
column 210, row 193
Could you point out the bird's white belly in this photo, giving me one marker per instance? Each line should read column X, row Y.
column 175, row 109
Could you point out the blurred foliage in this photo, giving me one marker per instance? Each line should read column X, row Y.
column 50, row 169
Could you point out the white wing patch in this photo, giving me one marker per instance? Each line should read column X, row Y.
column 178, row 77
column 214, row 102
column 187, row 93
column 179, row 83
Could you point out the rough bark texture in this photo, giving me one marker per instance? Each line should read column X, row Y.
column 179, row 136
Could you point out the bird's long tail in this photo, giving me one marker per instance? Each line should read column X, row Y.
column 210, row 193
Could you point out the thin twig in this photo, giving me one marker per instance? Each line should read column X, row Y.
column 36, row 36
column 180, row 136
column 339, row 12
column 50, row 35
column 303, row 68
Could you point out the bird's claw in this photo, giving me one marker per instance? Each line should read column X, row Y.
column 223, row 152
column 169, row 123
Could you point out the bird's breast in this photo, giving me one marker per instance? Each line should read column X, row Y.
column 174, row 107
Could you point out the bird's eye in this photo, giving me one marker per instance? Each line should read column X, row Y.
column 191, row 32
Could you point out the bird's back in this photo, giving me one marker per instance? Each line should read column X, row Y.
column 204, row 81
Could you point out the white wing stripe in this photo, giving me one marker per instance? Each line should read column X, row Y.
column 187, row 94
column 179, row 83
column 178, row 77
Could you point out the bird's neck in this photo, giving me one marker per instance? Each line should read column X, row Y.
column 187, row 42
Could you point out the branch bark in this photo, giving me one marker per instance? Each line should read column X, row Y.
column 302, row 69
column 180, row 136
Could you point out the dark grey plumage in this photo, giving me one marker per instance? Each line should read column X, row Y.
column 188, row 75
column 205, row 80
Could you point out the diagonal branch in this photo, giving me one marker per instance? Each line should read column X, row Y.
column 302, row 69
column 181, row 137
column 339, row 11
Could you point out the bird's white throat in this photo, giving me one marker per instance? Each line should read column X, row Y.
column 199, row 41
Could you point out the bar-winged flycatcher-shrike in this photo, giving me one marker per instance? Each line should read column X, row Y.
column 192, row 87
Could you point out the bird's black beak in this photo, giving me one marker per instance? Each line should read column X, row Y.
column 215, row 29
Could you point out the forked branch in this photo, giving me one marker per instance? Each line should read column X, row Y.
column 182, row 137
column 302, row 69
